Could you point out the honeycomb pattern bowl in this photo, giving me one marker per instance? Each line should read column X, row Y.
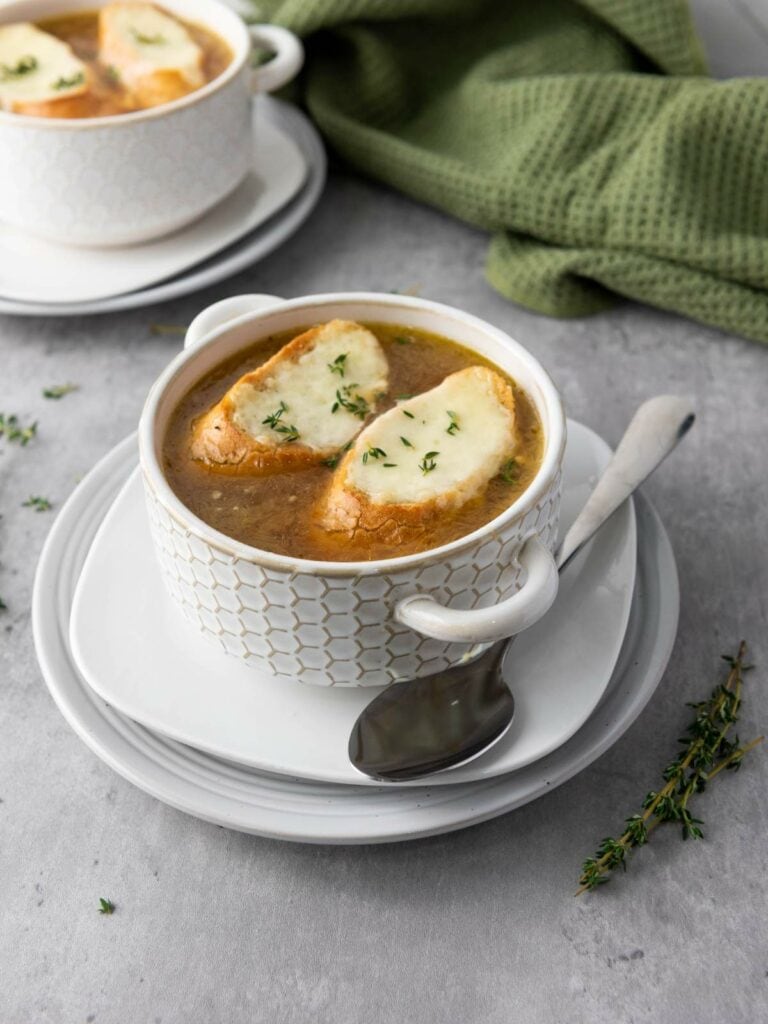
column 352, row 624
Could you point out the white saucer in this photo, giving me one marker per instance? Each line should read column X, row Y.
column 138, row 653
column 279, row 807
column 40, row 278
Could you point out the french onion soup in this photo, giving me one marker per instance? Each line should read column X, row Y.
column 118, row 59
column 352, row 442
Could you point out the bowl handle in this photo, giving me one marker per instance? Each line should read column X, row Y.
column 286, row 62
column 486, row 625
column 220, row 314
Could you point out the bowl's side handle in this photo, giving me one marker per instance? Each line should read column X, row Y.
column 486, row 625
column 214, row 317
column 285, row 62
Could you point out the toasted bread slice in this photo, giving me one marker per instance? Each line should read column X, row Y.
column 427, row 456
column 39, row 74
column 301, row 407
column 153, row 53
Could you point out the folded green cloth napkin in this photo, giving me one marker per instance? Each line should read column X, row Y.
column 581, row 133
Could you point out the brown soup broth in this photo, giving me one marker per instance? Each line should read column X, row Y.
column 109, row 96
column 277, row 512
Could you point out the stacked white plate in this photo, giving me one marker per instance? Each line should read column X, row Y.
column 43, row 278
column 213, row 737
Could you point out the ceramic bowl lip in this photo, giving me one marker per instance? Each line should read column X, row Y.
column 76, row 124
column 155, row 480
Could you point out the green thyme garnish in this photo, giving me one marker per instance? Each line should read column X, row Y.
column 337, row 366
column 106, row 906
column 112, row 73
column 428, row 463
column 357, row 405
column 389, row 465
column 408, row 414
column 705, row 753
column 402, row 340
column 69, row 83
column 374, row 453
column 406, row 442
column 59, row 390
column 23, row 66
column 145, row 40
column 12, row 430
column 454, row 422
column 334, row 460
column 38, row 504
column 510, row 471
column 274, row 420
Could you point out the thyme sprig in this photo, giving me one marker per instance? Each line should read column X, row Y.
column 59, row 390
column 373, row 453
column 356, row 404
column 274, row 420
column 38, row 504
column 705, row 753
column 12, row 429
column 69, row 83
column 23, row 66
column 453, row 420
column 337, row 366
column 428, row 463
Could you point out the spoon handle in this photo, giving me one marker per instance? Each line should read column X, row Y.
column 655, row 430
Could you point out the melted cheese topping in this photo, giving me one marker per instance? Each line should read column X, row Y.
column 445, row 444
column 317, row 399
column 35, row 67
column 139, row 41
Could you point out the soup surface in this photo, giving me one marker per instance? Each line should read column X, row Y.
column 114, row 90
column 278, row 512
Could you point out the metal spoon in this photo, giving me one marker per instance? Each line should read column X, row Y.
column 420, row 726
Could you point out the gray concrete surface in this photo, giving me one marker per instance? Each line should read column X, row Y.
column 478, row 926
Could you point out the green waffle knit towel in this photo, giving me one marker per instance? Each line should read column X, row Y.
column 582, row 133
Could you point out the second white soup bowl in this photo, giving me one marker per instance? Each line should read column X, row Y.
column 354, row 623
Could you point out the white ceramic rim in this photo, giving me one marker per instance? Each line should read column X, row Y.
column 232, row 70
column 155, row 478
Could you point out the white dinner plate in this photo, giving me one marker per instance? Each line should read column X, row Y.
column 136, row 650
column 280, row 807
column 265, row 211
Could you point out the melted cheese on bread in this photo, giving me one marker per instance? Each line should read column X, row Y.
column 37, row 70
column 302, row 406
column 428, row 455
column 152, row 52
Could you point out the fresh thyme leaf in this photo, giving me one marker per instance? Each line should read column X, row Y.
column 408, row 414
column 357, row 405
column 69, row 83
column 167, row 329
column 275, row 422
column 59, row 390
column 11, row 428
column 145, row 40
column 274, row 417
column 334, row 460
column 453, row 422
column 402, row 340
column 38, row 504
column 374, row 453
column 23, row 66
column 406, row 442
column 337, row 366
column 428, row 463
column 706, row 751
column 106, row 906
column 389, row 465
column 510, row 471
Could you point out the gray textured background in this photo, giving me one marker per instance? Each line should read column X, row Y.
column 475, row 926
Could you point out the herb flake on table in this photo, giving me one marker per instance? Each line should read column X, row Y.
column 12, row 429
column 57, row 391
column 3, row 605
column 106, row 906
column 38, row 504
column 706, row 752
